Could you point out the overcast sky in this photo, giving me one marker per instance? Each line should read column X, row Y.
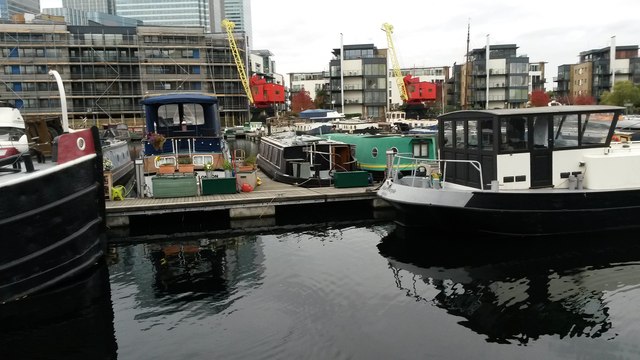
column 302, row 34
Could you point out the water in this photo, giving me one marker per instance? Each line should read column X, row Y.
column 359, row 291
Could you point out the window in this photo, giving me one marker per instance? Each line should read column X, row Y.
column 421, row 149
column 565, row 130
column 513, row 133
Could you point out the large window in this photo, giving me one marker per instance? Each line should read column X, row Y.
column 513, row 133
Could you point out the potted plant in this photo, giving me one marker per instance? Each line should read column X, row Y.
column 208, row 168
column 185, row 164
column 156, row 140
column 228, row 168
column 250, row 161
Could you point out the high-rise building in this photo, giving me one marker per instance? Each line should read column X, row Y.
column 187, row 13
column 103, row 6
column 10, row 8
column 237, row 11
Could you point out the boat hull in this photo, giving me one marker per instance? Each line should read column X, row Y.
column 52, row 221
column 514, row 213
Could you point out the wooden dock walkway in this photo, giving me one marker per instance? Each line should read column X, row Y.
column 258, row 203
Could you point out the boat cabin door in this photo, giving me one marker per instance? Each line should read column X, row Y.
column 541, row 129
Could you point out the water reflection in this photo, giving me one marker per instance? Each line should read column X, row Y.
column 74, row 321
column 187, row 277
column 516, row 291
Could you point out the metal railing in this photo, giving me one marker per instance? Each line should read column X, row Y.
column 398, row 161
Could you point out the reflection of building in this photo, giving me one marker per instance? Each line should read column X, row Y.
column 512, row 292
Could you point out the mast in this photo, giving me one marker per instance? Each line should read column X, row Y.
column 465, row 104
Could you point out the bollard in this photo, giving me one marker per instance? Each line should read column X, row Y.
column 572, row 182
column 580, row 178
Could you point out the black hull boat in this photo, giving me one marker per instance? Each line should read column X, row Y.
column 548, row 171
column 52, row 215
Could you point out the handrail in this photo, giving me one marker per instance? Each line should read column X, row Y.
column 417, row 161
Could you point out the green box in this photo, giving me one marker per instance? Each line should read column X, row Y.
column 178, row 185
column 219, row 186
column 346, row 179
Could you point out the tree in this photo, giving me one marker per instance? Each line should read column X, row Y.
column 301, row 101
column 584, row 100
column 624, row 92
column 539, row 98
column 322, row 98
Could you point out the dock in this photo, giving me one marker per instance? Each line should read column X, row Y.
column 246, row 209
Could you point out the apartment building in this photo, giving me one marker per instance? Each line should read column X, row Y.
column 312, row 82
column 364, row 71
column 597, row 71
column 506, row 85
column 107, row 70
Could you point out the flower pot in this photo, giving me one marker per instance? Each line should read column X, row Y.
column 166, row 169
column 186, row 168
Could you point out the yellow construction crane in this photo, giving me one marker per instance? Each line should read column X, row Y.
column 229, row 25
column 388, row 28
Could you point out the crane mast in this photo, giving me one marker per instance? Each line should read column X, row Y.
column 229, row 25
column 388, row 28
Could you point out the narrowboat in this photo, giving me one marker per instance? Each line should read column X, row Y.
column 304, row 160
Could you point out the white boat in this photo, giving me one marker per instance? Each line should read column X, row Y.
column 52, row 213
column 524, row 172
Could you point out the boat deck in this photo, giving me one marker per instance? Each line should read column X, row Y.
column 269, row 193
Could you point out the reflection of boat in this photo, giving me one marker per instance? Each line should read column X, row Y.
column 71, row 321
column 371, row 149
column 304, row 160
column 52, row 213
column 522, row 176
column 518, row 293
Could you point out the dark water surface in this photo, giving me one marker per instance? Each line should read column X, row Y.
column 362, row 291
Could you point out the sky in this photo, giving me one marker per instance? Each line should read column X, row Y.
column 303, row 34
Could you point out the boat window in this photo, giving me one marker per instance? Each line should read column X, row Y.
column 513, row 133
column 448, row 133
column 541, row 132
column 565, row 130
column 487, row 134
column 421, row 149
column 170, row 115
column 374, row 152
column 11, row 133
column 596, row 128
column 472, row 132
column 460, row 134
column 202, row 159
column 159, row 161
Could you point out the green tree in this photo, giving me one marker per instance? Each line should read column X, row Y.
column 322, row 99
column 624, row 92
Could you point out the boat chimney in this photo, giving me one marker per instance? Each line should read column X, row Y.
column 572, row 182
column 63, row 100
column 389, row 170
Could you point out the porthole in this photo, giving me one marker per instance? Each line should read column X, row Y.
column 374, row 152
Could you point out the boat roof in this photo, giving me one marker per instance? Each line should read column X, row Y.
column 180, row 98
column 565, row 109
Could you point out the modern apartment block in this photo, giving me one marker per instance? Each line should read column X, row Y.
column 312, row 82
column 364, row 70
column 10, row 9
column 597, row 71
column 107, row 70
column 506, row 86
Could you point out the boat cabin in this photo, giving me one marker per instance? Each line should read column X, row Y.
column 524, row 148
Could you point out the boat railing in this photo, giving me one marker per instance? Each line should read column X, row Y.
column 426, row 172
column 184, row 145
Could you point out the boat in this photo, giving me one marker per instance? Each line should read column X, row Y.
column 304, row 160
column 546, row 171
column 52, row 213
column 116, row 152
column 355, row 126
column 183, row 137
column 316, row 121
column 371, row 150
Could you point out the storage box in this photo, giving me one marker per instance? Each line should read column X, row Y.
column 218, row 186
column 346, row 179
column 178, row 185
column 247, row 177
